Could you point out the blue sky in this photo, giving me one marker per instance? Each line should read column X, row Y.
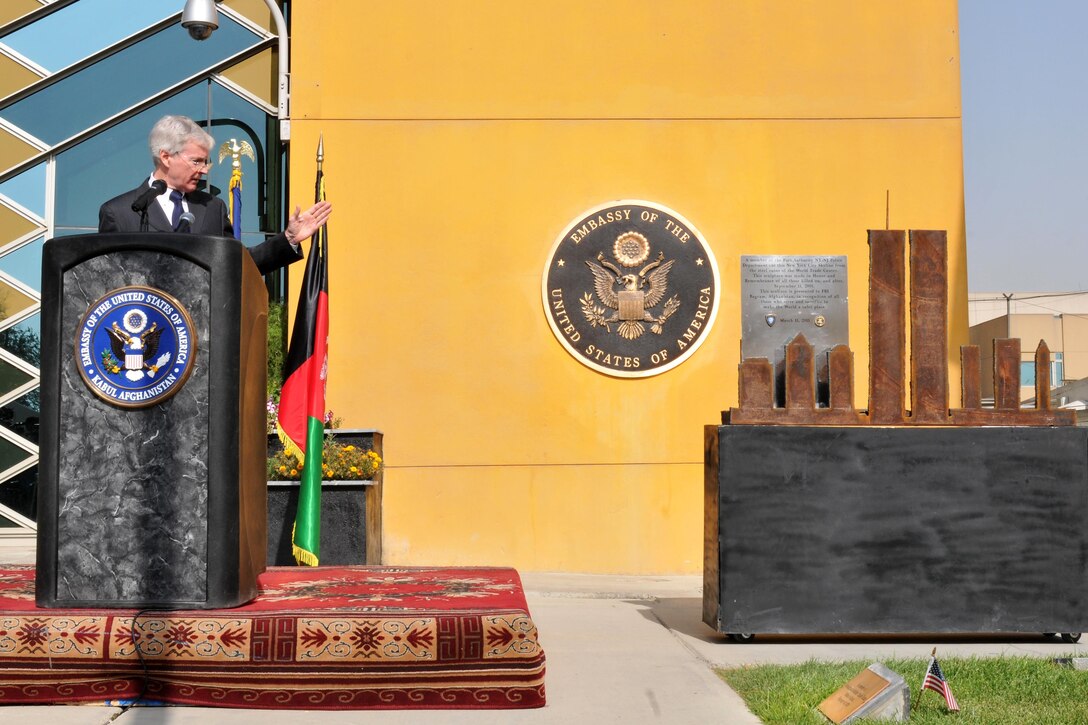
column 1025, row 143
column 1025, row 100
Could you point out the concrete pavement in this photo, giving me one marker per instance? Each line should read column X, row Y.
column 619, row 650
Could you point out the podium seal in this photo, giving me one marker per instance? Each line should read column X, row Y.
column 631, row 289
column 135, row 346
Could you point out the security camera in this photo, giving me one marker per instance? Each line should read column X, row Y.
column 199, row 31
column 200, row 18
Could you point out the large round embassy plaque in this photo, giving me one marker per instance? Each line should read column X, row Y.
column 135, row 346
column 631, row 289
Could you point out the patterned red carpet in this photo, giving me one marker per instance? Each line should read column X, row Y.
column 322, row 638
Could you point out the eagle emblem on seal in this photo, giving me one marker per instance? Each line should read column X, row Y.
column 630, row 296
column 136, row 343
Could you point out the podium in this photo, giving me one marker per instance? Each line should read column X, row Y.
column 152, row 482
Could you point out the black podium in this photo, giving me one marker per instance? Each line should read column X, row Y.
column 152, row 474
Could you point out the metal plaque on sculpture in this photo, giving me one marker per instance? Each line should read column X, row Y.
column 782, row 296
column 135, row 346
column 630, row 289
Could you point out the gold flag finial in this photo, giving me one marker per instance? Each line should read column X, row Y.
column 320, row 150
column 236, row 150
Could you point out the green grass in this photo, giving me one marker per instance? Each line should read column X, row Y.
column 994, row 691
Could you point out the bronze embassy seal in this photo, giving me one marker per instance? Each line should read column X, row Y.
column 631, row 289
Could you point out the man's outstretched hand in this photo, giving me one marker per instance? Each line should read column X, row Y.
column 303, row 224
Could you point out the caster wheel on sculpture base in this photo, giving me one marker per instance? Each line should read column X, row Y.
column 742, row 637
column 1071, row 637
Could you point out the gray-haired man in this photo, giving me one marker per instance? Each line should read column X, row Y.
column 181, row 151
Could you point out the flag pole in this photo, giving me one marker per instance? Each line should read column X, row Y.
column 302, row 401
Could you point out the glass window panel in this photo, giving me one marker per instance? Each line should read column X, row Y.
column 12, row 301
column 112, row 162
column 15, row 76
column 1027, row 373
column 11, row 454
column 14, row 150
column 21, row 416
column 116, row 82
column 6, row 523
column 24, row 340
column 11, row 377
column 14, row 225
column 61, row 38
column 25, row 263
column 258, row 75
column 233, row 117
column 117, row 159
column 20, row 495
column 12, row 9
column 28, row 189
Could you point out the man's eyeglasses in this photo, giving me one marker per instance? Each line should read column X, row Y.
column 204, row 164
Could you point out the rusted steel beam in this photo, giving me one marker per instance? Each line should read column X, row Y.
column 928, row 326
column 970, row 376
column 756, row 383
column 800, row 375
column 1022, row 417
column 1042, row 376
column 957, row 417
column 887, row 334
column 1007, row 374
column 711, row 521
column 840, row 378
column 802, row 416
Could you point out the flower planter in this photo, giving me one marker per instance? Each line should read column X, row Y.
column 350, row 512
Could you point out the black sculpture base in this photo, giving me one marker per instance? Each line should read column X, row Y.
column 895, row 530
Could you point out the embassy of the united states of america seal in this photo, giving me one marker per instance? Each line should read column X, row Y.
column 135, row 346
column 631, row 289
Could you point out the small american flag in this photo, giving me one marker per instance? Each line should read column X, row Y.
column 935, row 681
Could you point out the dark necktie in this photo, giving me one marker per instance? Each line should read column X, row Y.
column 175, row 217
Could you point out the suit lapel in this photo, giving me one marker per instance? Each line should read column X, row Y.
column 199, row 211
column 156, row 217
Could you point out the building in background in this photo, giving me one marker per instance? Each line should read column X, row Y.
column 1058, row 318
column 465, row 137
column 461, row 140
column 82, row 83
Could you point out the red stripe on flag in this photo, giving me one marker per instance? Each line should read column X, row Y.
column 303, row 393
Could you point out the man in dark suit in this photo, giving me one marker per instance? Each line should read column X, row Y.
column 182, row 150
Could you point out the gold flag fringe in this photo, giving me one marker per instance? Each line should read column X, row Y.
column 302, row 556
column 289, row 446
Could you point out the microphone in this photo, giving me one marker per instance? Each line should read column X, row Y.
column 157, row 187
column 185, row 223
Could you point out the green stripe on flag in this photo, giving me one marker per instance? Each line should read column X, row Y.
column 306, row 537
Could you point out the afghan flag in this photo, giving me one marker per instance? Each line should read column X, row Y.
column 300, row 422
column 234, row 201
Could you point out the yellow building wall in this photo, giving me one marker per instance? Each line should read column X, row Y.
column 1075, row 346
column 1031, row 330
column 461, row 138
